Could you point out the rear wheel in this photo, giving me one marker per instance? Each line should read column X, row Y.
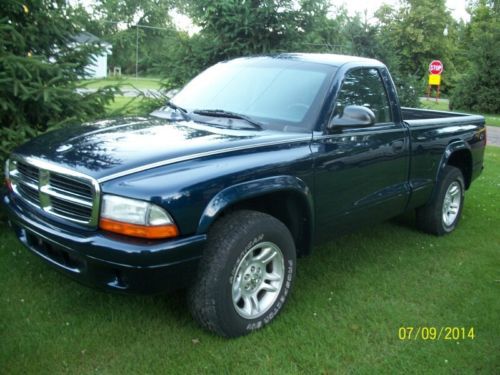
column 442, row 213
column 245, row 275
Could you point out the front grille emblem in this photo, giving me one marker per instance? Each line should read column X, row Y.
column 44, row 178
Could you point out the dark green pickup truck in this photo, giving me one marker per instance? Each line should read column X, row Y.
column 249, row 166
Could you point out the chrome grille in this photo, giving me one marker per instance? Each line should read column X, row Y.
column 61, row 192
column 29, row 193
column 70, row 185
column 28, row 172
column 71, row 210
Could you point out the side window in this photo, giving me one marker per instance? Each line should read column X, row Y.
column 364, row 87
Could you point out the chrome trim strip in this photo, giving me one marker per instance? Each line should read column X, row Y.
column 45, row 191
column 48, row 190
column 60, row 191
column 19, row 177
column 43, row 164
column 69, row 218
column 198, row 155
column 34, row 204
column 31, row 185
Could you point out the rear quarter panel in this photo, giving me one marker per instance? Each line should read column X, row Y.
column 432, row 143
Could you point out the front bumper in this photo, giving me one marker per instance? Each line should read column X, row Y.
column 104, row 260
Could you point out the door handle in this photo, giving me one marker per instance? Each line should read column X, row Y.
column 397, row 145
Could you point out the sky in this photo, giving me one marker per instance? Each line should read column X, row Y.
column 457, row 7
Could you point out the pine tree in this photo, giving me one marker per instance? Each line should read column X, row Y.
column 40, row 69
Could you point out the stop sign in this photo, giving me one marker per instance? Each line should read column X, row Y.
column 436, row 67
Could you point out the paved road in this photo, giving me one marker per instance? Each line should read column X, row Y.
column 493, row 133
column 432, row 98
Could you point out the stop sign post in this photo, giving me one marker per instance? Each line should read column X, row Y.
column 435, row 70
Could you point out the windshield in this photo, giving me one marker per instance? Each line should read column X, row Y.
column 272, row 91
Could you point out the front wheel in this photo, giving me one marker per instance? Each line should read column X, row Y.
column 245, row 275
column 442, row 213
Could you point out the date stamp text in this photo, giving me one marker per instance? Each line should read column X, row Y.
column 430, row 333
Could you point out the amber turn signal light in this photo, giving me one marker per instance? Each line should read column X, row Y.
column 143, row 231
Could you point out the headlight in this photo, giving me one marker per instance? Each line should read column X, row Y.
column 136, row 218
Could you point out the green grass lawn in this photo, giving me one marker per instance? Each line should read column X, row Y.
column 350, row 299
column 125, row 105
column 442, row 105
column 126, row 82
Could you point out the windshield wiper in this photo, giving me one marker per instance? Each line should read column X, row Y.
column 228, row 114
column 181, row 110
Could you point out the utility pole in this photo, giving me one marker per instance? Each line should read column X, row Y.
column 137, row 41
column 136, row 51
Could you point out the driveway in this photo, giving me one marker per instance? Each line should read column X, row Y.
column 149, row 93
column 493, row 135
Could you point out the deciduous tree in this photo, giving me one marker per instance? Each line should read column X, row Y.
column 478, row 88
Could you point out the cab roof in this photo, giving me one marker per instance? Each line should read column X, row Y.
column 329, row 58
column 319, row 58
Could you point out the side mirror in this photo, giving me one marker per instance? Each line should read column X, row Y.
column 353, row 116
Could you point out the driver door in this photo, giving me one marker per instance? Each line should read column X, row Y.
column 361, row 173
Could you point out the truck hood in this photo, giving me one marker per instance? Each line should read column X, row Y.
column 107, row 148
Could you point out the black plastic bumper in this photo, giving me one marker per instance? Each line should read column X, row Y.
column 107, row 261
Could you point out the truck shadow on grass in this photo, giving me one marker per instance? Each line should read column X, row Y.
column 330, row 268
column 328, row 274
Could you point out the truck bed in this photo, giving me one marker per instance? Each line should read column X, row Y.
column 412, row 114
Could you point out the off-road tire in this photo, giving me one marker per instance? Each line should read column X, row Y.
column 230, row 240
column 431, row 218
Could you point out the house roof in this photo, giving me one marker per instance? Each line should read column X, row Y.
column 86, row 37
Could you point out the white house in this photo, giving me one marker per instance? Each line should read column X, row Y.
column 99, row 67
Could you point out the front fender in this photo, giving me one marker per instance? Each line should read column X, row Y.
column 251, row 189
